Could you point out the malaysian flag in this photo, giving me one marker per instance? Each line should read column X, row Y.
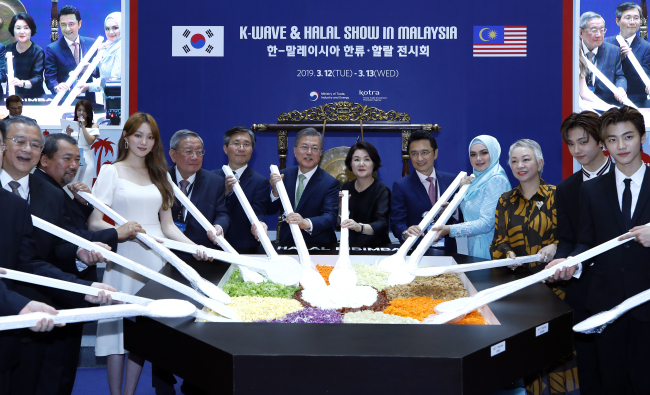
column 500, row 41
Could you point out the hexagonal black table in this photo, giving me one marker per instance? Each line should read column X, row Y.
column 255, row 358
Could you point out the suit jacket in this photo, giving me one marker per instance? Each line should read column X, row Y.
column 19, row 253
column 635, row 86
column 208, row 197
column 76, row 216
column 319, row 203
column 59, row 61
column 256, row 189
column 623, row 271
column 46, row 202
column 568, row 225
column 410, row 200
column 608, row 61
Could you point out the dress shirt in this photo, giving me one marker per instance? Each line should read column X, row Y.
column 590, row 175
column 423, row 180
column 308, row 176
column 239, row 172
column 635, row 186
column 586, row 51
column 24, row 184
column 180, row 178
column 69, row 42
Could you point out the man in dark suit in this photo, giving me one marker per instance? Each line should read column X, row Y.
column 628, row 18
column 313, row 193
column 63, row 55
column 204, row 188
column 19, row 252
column 415, row 194
column 606, row 57
column 238, row 144
column 581, row 133
column 611, row 205
column 58, row 165
column 56, row 362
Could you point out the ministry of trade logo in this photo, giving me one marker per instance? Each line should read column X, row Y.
column 313, row 95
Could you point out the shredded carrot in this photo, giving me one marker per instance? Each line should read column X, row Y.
column 325, row 272
column 422, row 307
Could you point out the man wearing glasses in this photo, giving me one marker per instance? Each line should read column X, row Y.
column 606, row 57
column 204, row 188
column 47, row 361
column 628, row 19
column 414, row 195
column 238, row 144
column 313, row 193
column 19, row 252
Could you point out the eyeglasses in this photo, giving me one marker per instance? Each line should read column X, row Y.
column 424, row 153
column 189, row 152
column 21, row 142
column 245, row 145
column 594, row 31
column 306, row 148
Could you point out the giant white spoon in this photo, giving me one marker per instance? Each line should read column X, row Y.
column 274, row 258
column 86, row 290
column 605, row 81
column 490, row 295
column 399, row 258
column 164, row 308
column 72, row 77
column 247, row 274
column 343, row 274
column 195, row 279
column 402, row 275
column 310, row 277
column 11, row 89
column 438, row 270
column 597, row 323
column 286, row 272
column 215, row 305
column 635, row 62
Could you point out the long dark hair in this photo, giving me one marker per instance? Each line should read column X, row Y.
column 89, row 111
column 155, row 160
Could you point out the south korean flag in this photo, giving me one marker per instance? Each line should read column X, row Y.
column 197, row 40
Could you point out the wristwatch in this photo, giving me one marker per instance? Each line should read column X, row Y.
column 404, row 234
column 362, row 226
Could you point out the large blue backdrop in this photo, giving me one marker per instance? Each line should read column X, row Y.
column 507, row 97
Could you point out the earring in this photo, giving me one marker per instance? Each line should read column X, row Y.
column 126, row 144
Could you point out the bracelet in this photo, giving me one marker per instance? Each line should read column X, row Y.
column 362, row 226
column 23, row 83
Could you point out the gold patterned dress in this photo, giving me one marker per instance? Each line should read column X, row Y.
column 525, row 226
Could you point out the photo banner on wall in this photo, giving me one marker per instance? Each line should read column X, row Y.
column 53, row 55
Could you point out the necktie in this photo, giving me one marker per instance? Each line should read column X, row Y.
column 75, row 53
column 626, row 208
column 590, row 56
column 233, row 190
column 14, row 188
column 432, row 190
column 301, row 188
column 184, row 184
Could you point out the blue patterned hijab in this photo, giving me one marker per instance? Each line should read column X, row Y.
column 494, row 170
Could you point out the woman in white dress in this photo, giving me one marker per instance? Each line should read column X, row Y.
column 88, row 133
column 139, row 188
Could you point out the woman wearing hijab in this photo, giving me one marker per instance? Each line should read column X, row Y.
column 482, row 196
column 110, row 65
